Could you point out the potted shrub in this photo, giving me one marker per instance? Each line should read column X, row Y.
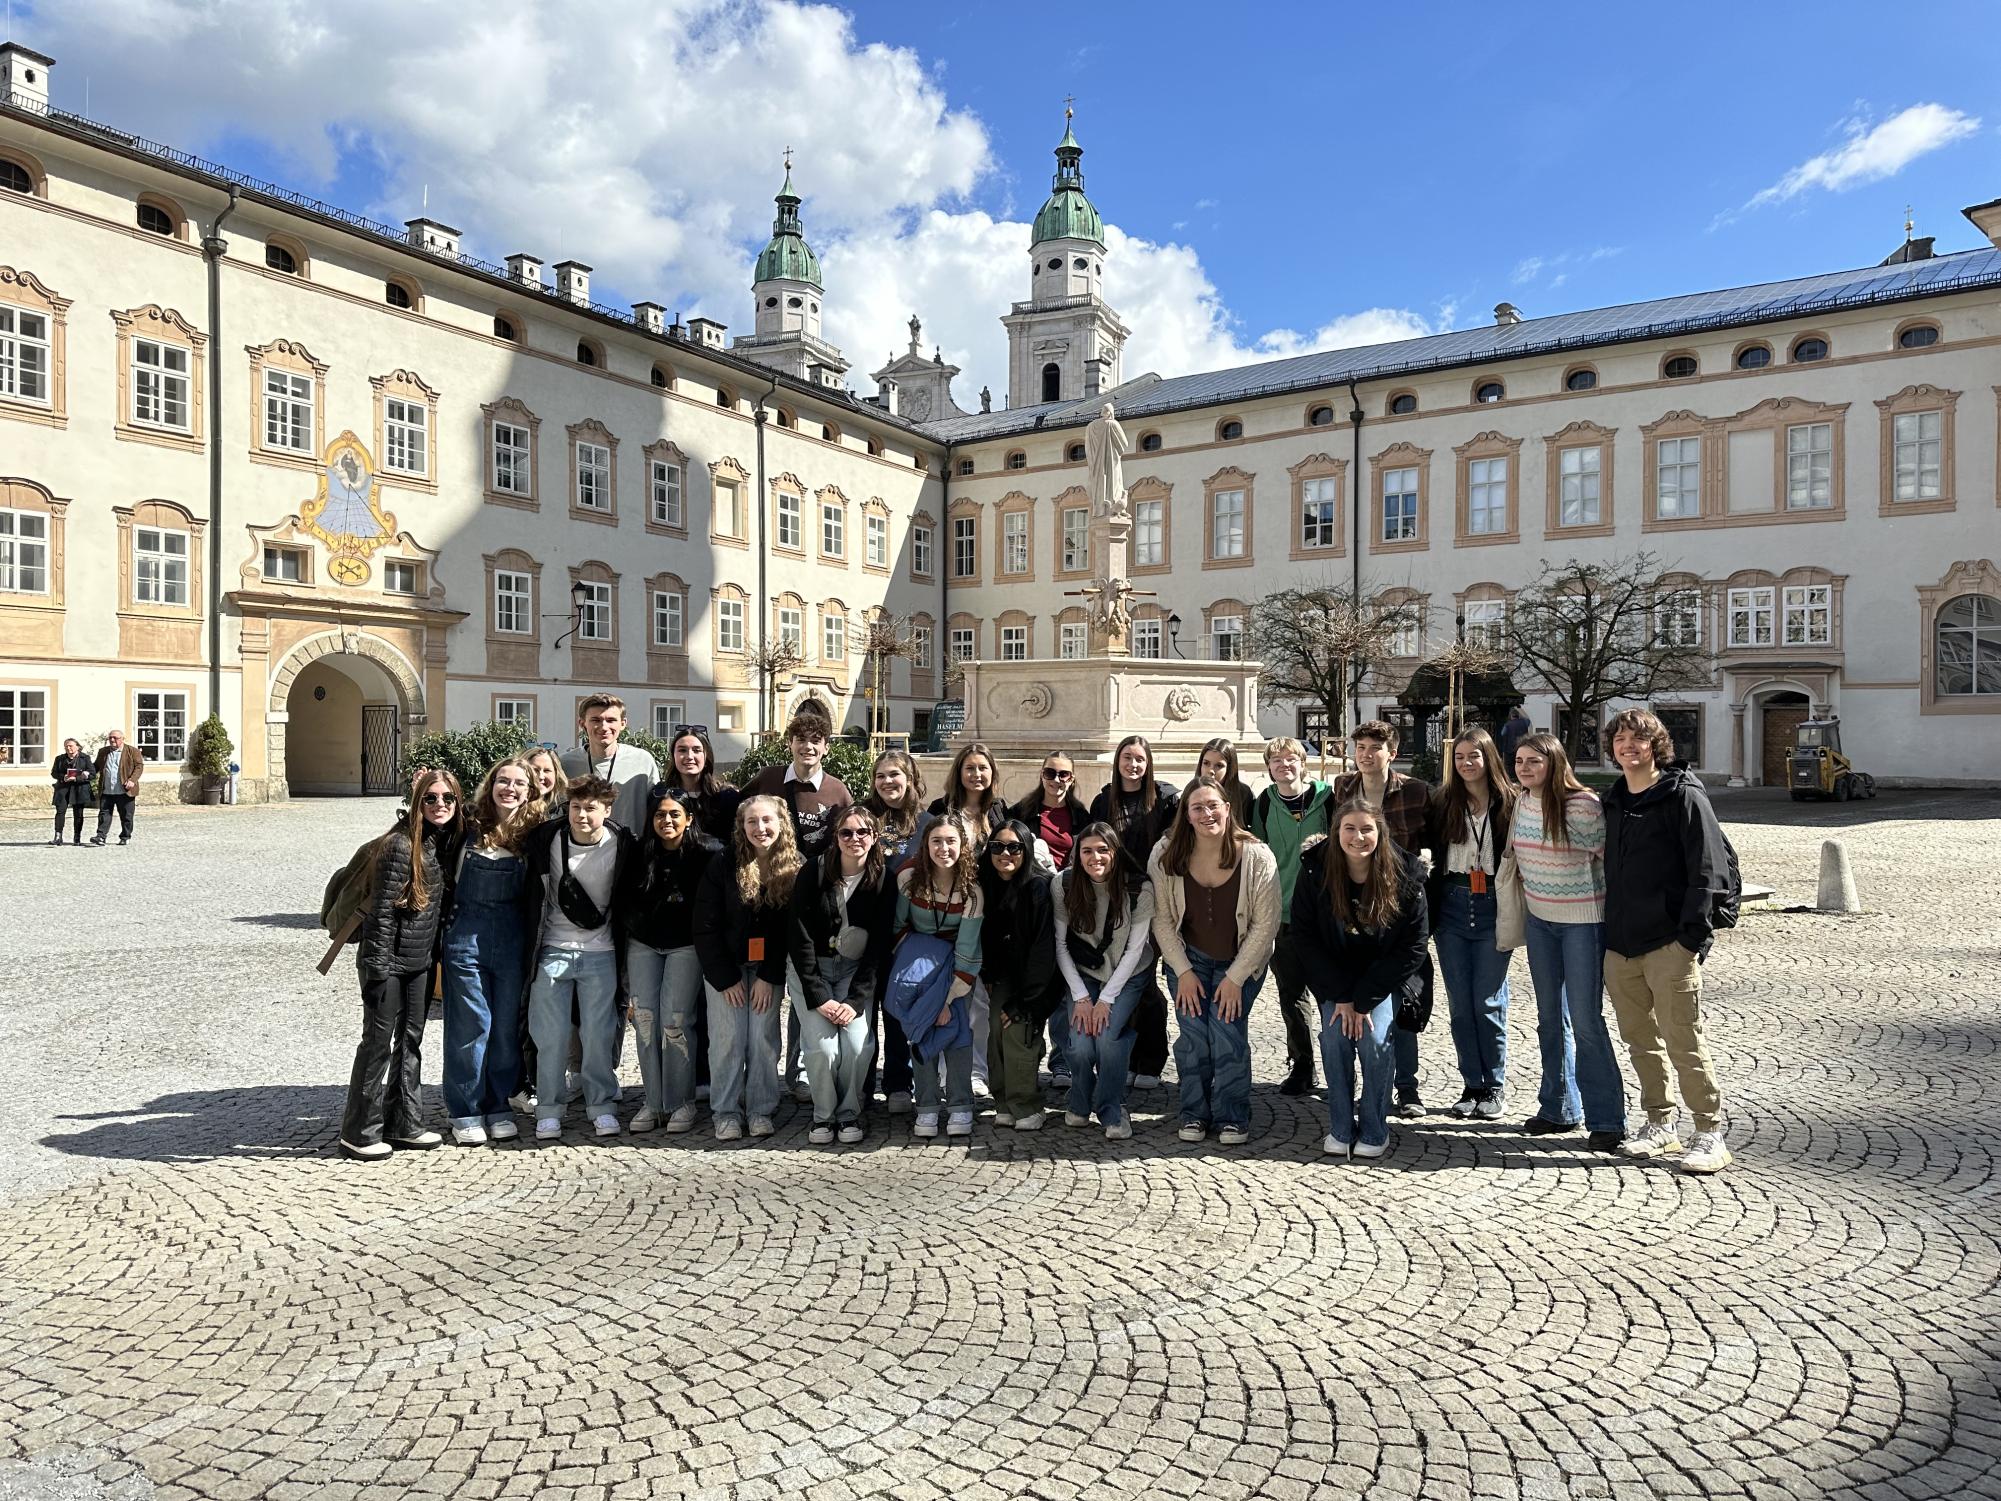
column 208, row 758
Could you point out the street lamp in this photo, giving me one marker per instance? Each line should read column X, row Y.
column 580, row 594
column 1174, row 633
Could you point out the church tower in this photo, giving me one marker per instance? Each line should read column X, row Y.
column 786, row 289
column 1063, row 343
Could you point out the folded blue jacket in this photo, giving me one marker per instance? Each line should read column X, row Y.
column 920, row 978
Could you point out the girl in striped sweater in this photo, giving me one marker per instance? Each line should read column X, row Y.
column 939, row 893
column 1558, row 841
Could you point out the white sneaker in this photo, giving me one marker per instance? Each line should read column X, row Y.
column 605, row 1125
column 1032, row 1121
column 852, row 1133
column 1333, row 1146
column 1232, row 1136
column 549, row 1128
column 373, row 1151
column 682, row 1120
column 821, row 1136
column 418, row 1141
column 502, row 1131
column 1707, row 1154
column 523, row 1103
column 646, row 1120
column 730, row 1129
column 469, row 1136
column 959, row 1123
column 1654, row 1139
column 1364, row 1150
column 926, row 1124
column 1002, row 1119
column 899, row 1102
column 980, row 1089
column 1072, row 1118
column 1192, row 1131
column 1146, row 1081
column 760, row 1125
column 1120, row 1130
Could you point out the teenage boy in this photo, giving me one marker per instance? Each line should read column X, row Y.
column 119, row 767
column 1666, row 866
column 1403, row 800
column 1285, row 815
column 630, row 770
column 575, row 863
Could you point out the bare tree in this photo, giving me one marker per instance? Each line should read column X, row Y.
column 770, row 659
column 1316, row 644
column 885, row 638
column 1594, row 632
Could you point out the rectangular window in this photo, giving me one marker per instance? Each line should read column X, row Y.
column 1678, row 478
column 512, row 603
column 24, row 726
column 288, row 410
column 1486, row 497
column 1014, row 643
column 1486, row 622
column 792, row 628
column 1146, row 639
column 1014, row 542
column 791, row 521
column 959, row 645
column 402, row 578
column 405, row 436
column 833, row 530
column 920, row 647
column 729, row 625
column 1226, row 638
column 668, row 717
column 594, row 619
column 1678, row 618
column 667, row 625
column 1076, row 539
column 24, row 552
column 159, row 566
column 1073, row 639
column 24, row 355
column 1919, row 438
column 1400, row 505
column 160, row 384
column 160, row 725
column 1579, row 503
column 287, row 565
column 510, row 459
column 1319, row 502
column 920, row 551
column 593, row 477
column 1407, row 640
column 1226, row 524
column 515, row 711
column 1750, row 612
column 665, row 485
column 1809, row 615
column 1149, row 533
column 1684, row 727
column 876, row 543
column 729, row 509
column 1810, row 466
column 965, row 547
column 833, row 637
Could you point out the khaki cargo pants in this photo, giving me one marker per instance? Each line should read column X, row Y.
column 1657, row 999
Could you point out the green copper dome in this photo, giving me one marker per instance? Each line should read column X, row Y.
column 1068, row 214
column 787, row 257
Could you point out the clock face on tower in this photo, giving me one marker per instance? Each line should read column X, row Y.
column 917, row 406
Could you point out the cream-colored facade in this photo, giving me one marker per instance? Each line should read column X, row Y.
column 446, row 493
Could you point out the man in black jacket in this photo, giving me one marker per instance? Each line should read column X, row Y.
column 1665, row 869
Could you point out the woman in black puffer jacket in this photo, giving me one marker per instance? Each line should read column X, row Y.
column 400, row 929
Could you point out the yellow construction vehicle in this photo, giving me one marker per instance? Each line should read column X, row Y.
column 1819, row 769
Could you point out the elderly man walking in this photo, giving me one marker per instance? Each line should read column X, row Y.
column 119, row 767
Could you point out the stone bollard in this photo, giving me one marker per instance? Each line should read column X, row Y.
column 1837, row 881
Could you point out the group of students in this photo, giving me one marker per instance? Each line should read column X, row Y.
column 789, row 935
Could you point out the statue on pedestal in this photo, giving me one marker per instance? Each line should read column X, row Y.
column 1105, row 449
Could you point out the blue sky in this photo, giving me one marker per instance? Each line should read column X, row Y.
column 1278, row 178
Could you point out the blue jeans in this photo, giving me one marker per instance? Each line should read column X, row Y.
column 1098, row 1064
column 486, row 972
column 1476, row 987
column 957, row 1065
column 591, row 977
column 1059, row 1038
column 743, row 1054
column 1580, row 1072
column 837, row 1058
column 1369, row 1113
column 666, row 986
column 1212, row 1056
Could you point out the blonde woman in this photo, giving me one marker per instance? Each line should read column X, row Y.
column 551, row 786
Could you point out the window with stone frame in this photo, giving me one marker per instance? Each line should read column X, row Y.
column 1400, row 521
column 593, row 476
column 1678, row 478
column 1073, row 639
column 1918, row 455
column 1146, row 638
column 729, row 625
column 965, row 547
column 875, row 542
column 513, row 602
column 513, row 458
column 1319, row 512
column 24, row 552
column 1966, row 647
column 664, row 494
column 1226, row 638
column 920, row 551
column 669, row 618
column 1810, row 466
column 791, row 521
column 159, row 566
column 594, row 620
column 26, row 354
column 1076, row 539
column 160, row 724
column 1808, row 614
column 1486, row 622
column 1014, row 542
column 160, row 384
column 1749, row 616
column 1580, row 501
column 1149, row 536
column 24, row 726
column 1678, row 618
column 1014, row 643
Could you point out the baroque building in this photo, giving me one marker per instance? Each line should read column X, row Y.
column 344, row 483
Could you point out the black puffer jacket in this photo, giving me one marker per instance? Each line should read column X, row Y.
column 398, row 940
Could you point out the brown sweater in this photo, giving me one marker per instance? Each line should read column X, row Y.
column 131, row 765
column 814, row 809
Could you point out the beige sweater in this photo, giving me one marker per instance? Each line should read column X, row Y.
column 1257, row 911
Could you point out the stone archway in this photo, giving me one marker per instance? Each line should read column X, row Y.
column 404, row 679
column 1752, row 726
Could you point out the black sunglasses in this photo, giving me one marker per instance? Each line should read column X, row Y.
column 444, row 798
column 1055, row 774
column 1009, row 847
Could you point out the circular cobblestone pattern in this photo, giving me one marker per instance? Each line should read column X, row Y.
column 197, row 1299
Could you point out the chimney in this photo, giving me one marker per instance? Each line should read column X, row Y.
column 1506, row 315
column 678, row 331
column 707, row 332
column 885, row 396
column 433, row 238
column 1986, row 217
column 526, row 269
column 1094, row 377
column 573, row 281
column 1919, row 249
column 24, row 77
column 650, row 316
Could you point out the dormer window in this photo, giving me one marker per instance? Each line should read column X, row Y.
column 660, row 377
column 725, row 397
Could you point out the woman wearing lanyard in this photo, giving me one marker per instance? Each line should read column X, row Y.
column 1467, row 833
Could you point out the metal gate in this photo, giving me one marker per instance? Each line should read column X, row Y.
column 381, row 748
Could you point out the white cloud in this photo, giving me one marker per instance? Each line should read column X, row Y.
column 1529, row 268
column 1872, row 152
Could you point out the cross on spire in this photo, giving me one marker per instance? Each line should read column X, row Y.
column 1069, row 107
column 788, row 160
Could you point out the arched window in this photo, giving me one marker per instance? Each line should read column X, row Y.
column 661, row 378
column 1403, row 404
column 1489, row 391
column 1918, row 336
column 1320, row 417
column 503, row 328
column 965, row 466
column 786, row 419
column 155, row 220
column 1583, row 378
column 1149, row 443
column 278, row 258
column 1017, row 460
column 1679, row 367
column 587, row 353
column 1052, row 383
column 14, row 177
column 1967, row 647
column 1074, row 453
column 1229, row 430
column 1754, row 356
column 725, row 397
column 830, row 431
column 396, row 294
column 1807, row 350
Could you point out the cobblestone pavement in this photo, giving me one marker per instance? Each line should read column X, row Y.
column 197, row 1299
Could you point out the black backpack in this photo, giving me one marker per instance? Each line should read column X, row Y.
column 1726, row 909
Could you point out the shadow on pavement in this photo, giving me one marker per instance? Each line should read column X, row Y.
column 267, row 1120
column 280, row 919
column 1773, row 806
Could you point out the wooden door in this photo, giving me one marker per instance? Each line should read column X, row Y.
column 1781, row 720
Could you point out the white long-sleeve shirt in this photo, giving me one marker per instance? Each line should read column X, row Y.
column 1138, row 938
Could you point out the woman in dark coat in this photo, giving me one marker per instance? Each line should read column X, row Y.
column 1019, row 971
column 71, row 773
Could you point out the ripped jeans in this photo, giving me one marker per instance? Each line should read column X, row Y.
column 666, row 986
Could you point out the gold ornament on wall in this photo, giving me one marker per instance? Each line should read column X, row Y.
column 346, row 515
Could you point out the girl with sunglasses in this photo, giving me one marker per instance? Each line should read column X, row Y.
column 1019, row 970
column 896, row 798
column 1053, row 810
column 663, row 972
column 842, row 907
